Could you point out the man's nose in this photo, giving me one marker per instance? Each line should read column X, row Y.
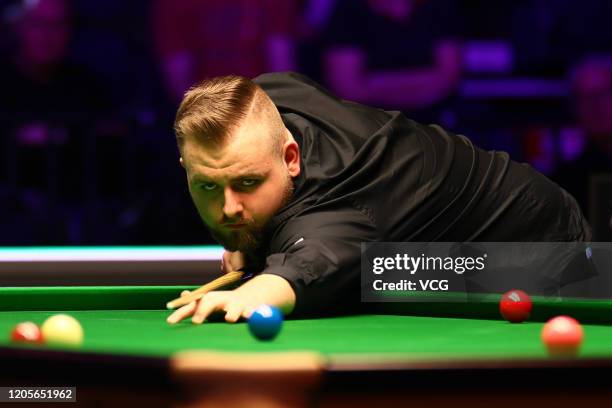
column 232, row 204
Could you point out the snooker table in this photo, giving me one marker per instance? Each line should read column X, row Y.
column 443, row 353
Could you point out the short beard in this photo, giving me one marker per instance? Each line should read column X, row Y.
column 250, row 240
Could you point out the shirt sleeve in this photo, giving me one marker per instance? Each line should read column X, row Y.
column 319, row 254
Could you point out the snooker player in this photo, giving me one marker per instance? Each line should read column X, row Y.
column 290, row 180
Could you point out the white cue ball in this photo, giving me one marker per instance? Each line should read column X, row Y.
column 62, row 329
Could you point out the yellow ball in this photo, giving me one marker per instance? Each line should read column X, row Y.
column 62, row 329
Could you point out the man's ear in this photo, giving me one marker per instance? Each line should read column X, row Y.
column 291, row 157
column 181, row 161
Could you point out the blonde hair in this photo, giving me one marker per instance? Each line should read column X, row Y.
column 213, row 108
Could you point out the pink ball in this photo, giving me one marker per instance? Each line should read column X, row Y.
column 562, row 336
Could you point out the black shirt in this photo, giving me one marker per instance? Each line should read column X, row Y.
column 373, row 175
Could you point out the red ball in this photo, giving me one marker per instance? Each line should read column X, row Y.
column 562, row 336
column 515, row 306
column 26, row 332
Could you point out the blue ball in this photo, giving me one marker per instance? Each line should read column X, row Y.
column 265, row 323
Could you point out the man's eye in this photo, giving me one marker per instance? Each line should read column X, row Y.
column 248, row 182
column 208, row 186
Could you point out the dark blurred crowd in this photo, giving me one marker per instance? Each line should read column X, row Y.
column 88, row 90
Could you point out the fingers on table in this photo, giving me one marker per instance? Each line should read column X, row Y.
column 182, row 313
column 233, row 312
column 208, row 304
column 211, row 302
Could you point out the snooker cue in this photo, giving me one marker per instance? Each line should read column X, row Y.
column 222, row 281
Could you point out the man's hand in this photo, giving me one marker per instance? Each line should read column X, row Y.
column 232, row 261
column 262, row 289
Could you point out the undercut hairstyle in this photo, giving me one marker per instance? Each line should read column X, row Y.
column 215, row 107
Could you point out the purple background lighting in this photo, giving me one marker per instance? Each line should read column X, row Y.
column 89, row 90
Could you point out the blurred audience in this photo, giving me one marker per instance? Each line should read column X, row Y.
column 196, row 39
column 550, row 36
column 51, row 110
column 592, row 100
column 313, row 19
column 393, row 53
column 89, row 90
